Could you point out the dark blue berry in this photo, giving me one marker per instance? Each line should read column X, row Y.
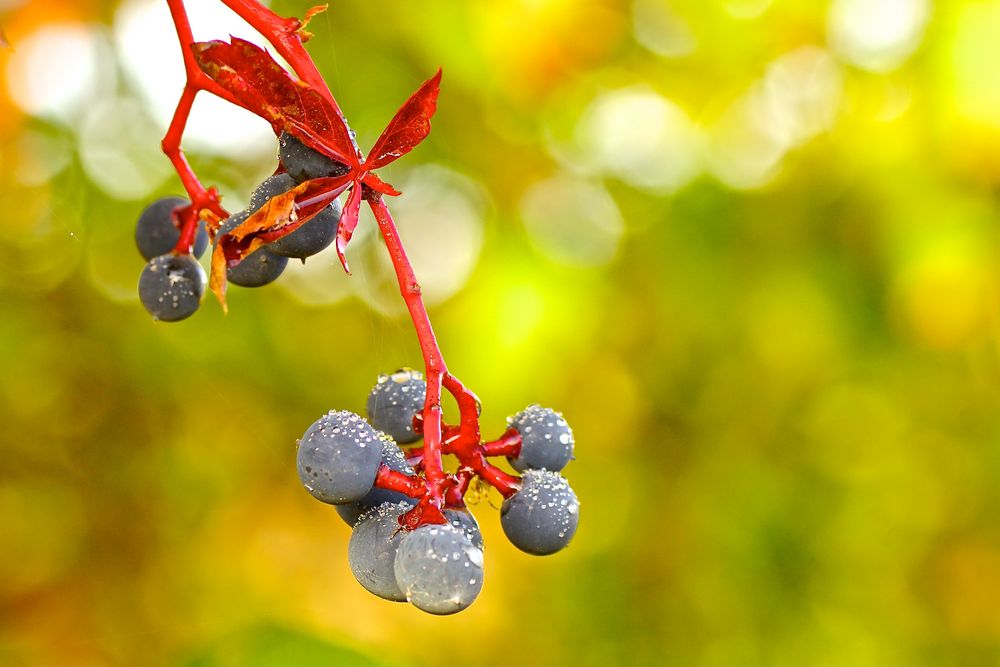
column 309, row 239
column 312, row 237
column 257, row 269
column 394, row 401
column 268, row 188
column 546, row 440
column 371, row 552
column 541, row 518
column 171, row 287
column 393, row 457
column 303, row 163
column 439, row 569
column 466, row 522
column 157, row 231
column 338, row 457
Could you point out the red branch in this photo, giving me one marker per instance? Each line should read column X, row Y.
column 434, row 365
column 508, row 444
column 399, row 482
column 456, row 494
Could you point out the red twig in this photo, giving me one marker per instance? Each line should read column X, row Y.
column 503, row 482
column 398, row 481
column 455, row 497
column 468, row 406
column 508, row 444
column 202, row 199
column 434, row 366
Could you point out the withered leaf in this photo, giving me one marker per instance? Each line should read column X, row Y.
column 280, row 216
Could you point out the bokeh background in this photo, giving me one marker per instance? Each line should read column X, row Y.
column 748, row 247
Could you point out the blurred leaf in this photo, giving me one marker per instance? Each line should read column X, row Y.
column 268, row 645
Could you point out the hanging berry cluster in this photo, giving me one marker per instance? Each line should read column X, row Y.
column 413, row 536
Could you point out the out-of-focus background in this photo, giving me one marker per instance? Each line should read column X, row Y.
column 748, row 247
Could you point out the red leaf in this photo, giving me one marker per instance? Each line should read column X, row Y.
column 348, row 223
column 410, row 125
column 279, row 217
column 378, row 185
column 265, row 88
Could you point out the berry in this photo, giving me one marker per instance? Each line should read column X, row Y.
column 338, row 457
column 171, row 287
column 157, row 232
column 268, row 188
column 312, row 237
column 466, row 522
column 542, row 516
column 393, row 457
column 258, row 268
column 371, row 551
column 546, row 440
column 439, row 569
column 394, row 401
column 303, row 163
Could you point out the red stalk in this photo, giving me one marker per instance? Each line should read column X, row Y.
column 455, row 497
column 398, row 481
column 434, row 366
column 508, row 444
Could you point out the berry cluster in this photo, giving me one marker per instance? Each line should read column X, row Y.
column 414, row 539
column 410, row 543
column 172, row 284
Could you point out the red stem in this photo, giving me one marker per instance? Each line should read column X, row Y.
column 434, row 366
column 455, row 497
column 468, row 407
column 398, row 481
column 201, row 198
column 506, row 484
column 508, row 444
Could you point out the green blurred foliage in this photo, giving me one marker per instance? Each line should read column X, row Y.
column 749, row 248
column 273, row 646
